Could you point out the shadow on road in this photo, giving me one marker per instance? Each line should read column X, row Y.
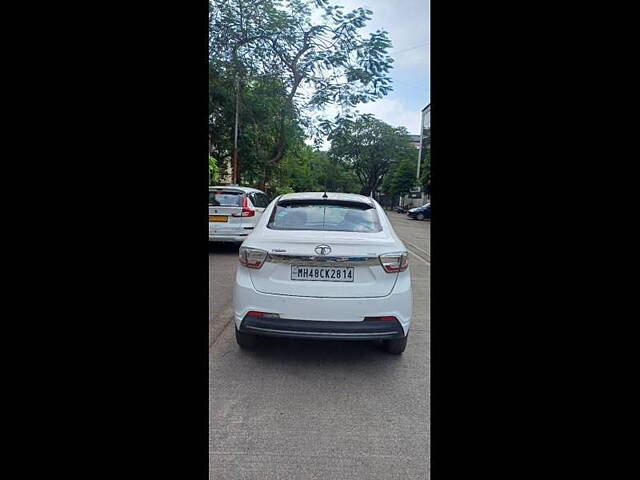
column 223, row 247
column 327, row 353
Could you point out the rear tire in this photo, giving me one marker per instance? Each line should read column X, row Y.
column 396, row 346
column 420, row 216
column 246, row 340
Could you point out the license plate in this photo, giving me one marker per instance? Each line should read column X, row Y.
column 322, row 274
column 218, row 218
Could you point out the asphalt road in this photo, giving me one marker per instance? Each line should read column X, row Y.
column 319, row 409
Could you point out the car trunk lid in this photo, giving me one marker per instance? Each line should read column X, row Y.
column 225, row 208
column 294, row 257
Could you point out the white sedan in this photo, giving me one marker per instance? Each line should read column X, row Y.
column 323, row 266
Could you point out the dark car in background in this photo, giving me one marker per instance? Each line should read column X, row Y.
column 420, row 213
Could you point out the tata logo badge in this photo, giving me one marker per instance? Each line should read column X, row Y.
column 323, row 249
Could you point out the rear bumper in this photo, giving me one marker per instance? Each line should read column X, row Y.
column 237, row 234
column 329, row 315
column 365, row 330
column 228, row 238
column 221, row 232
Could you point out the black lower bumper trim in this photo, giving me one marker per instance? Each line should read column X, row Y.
column 364, row 330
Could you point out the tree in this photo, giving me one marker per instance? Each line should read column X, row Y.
column 425, row 166
column 334, row 176
column 259, row 104
column 237, row 85
column 281, row 41
column 303, row 169
column 214, row 171
column 425, row 174
column 370, row 147
column 294, row 172
column 401, row 177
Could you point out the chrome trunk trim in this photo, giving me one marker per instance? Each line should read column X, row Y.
column 320, row 260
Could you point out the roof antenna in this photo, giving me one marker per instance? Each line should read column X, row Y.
column 325, row 186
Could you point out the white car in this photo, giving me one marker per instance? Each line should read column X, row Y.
column 234, row 212
column 323, row 266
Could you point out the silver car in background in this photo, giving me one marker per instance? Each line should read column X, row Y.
column 234, row 212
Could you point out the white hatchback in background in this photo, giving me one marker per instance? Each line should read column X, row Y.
column 323, row 266
column 234, row 212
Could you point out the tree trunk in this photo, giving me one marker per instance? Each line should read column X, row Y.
column 263, row 183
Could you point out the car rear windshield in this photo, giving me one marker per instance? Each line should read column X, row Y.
column 326, row 216
column 225, row 199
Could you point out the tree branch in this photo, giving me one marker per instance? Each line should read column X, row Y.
column 297, row 78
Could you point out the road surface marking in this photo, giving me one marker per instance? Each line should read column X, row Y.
column 417, row 248
column 421, row 259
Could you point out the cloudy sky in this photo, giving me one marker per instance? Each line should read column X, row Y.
column 408, row 25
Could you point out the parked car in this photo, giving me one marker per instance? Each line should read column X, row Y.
column 420, row 213
column 323, row 266
column 234, row 212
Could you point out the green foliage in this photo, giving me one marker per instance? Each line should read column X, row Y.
column 370, row 147
column 425, row 166
column 304, row 170
column 283, row 190
column 425, row 174
column 283, row 39
column 266, row 49
column 259, row 106
column 261, row 52
column 334, row 176
column 295, row 170
column 401, row 177
column 214, row 171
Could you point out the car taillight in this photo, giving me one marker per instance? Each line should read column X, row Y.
column 394, row 262
column 388, row 318
column 253, row 313
column 246, row 211
column 252, row 257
